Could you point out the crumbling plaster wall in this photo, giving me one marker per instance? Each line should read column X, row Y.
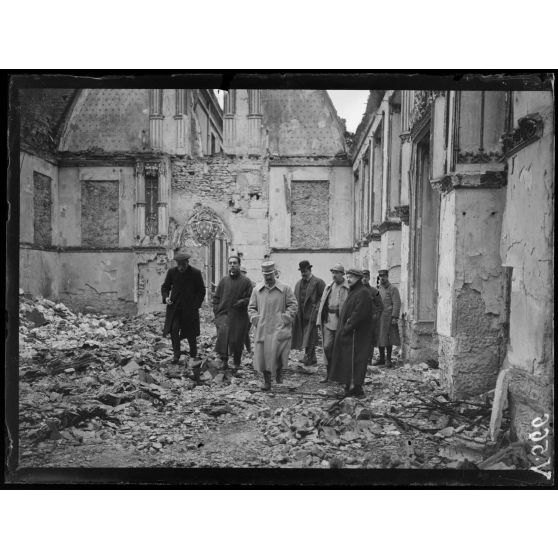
column 38, row 268
column 236, row 189
column 93, row 279
column 471, row 304
column 527, row 246
column 98, row 281
column 29, row 164
column 340, row 202
column 69, row 202
column 390, row 259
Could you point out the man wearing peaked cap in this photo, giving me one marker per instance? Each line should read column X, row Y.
column 388, row 334
column 183, row 292
column 331, row 305
column 308, row 292
column 271, row 310
column 377, row 308
column 352, row 337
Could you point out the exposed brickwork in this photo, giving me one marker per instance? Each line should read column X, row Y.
column 310, row 214
column 217, row 177
column 42, row 209
column 99, row 213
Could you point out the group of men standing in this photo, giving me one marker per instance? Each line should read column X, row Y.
column 353, row 318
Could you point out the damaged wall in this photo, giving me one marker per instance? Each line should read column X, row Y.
column 236, row 189
column 98, row 281
column 528, row 247
column 38, row 261
column 471, row 289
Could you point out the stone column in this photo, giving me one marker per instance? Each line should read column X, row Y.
column 254, row 121
column 471, row 290
column 156, row 119
column 162, row 204
column 139, row 206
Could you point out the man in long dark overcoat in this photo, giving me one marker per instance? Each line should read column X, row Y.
column 308, row 292
column 230, row 307
column 352, row 338
column 377, row 309
column 183, row 292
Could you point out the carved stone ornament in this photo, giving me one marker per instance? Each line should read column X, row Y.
column 402, row 211
column 485, row 179
column 422, row 103
column 389, row 226
column 469, row 157
column 405, row 137
column 530, row 128
column 206, row 225
column 155, row 168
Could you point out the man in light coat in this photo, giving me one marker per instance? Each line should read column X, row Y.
column 331, row 304
column 308, row 292
column 389, row 330
column 272, row 310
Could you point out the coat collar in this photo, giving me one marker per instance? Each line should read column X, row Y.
column 344, row 284
column 278, row 285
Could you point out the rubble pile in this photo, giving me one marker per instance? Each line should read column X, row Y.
column 102, row 392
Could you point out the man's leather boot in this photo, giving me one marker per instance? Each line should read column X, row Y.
column 267, row 381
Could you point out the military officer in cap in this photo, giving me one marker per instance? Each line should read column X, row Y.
column 389, row 330
column 183, row 292
column 331, row 304
column 308, row 292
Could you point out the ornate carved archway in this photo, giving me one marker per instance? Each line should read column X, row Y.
column 202, row 228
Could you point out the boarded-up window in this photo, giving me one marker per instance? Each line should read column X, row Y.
column 310, row 214
column 99, row 213
column 42, row 209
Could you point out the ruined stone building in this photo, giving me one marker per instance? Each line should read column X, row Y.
column 96, row 197
column 112, row 180
column 454, row 194
column 452, row 191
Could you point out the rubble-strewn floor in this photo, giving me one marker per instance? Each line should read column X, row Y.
column 101, row 392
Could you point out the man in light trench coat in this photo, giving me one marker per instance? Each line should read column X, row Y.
column 272, row 310
column 389, row 330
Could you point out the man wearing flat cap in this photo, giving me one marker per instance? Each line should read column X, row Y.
column 352, row 338
column 331, row 304
column 272, row 310
column 377, row 308
column 183, row 292
column 308, row 292
column 230, row 307
column 389, row 330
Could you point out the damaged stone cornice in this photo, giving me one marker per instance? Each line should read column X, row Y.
column 385, row 226
column 402, row 212
column 473, row 157
column 483, row 179
column 530, row 128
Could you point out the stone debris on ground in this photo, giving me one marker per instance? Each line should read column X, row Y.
column 99, row 391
